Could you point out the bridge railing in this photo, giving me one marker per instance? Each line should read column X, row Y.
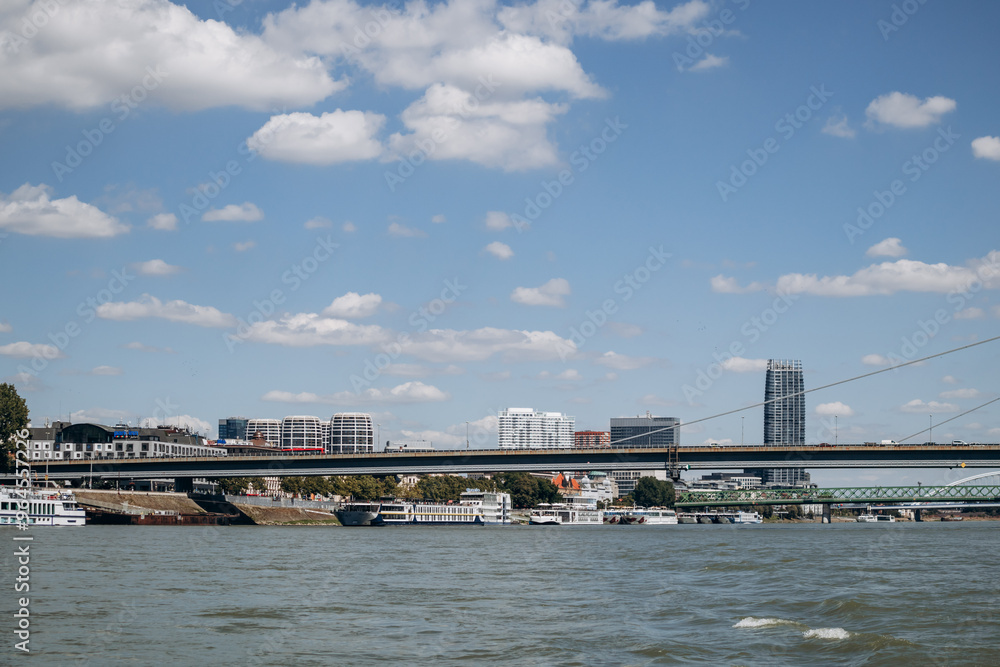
column 836, row 495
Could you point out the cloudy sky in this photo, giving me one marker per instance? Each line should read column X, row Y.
column 433, row 211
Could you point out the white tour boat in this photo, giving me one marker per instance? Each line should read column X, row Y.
column 474, row 507
column 565, row 515
column 39, row 507
column 876, row 518
column 655, row 516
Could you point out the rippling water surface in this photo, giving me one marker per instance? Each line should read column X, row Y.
column 846, row 594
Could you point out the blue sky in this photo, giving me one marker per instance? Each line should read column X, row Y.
column 433, row 211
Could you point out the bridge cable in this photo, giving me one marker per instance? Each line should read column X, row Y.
column 808, row 391
column 948, row 420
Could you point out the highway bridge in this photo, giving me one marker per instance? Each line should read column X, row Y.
column 931, row 495
column 544, row 460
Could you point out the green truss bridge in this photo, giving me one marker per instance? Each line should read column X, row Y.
column 874, row 494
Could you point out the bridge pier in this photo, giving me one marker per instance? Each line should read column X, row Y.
column 827, row 516
column 917, row 516
column 183, row 484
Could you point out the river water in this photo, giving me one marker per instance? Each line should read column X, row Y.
column 789, row 594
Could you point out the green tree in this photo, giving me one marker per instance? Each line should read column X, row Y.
column 441, row 487
column 652, row 492
column 13, row 418
column 234, row 485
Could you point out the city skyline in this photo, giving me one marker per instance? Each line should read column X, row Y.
column 432, row 213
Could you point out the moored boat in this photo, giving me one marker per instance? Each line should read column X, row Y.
column 565, row 515
column 39, row 507
column 358, row 514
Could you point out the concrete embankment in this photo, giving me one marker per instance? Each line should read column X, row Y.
column 124, row 501
column 286, row 516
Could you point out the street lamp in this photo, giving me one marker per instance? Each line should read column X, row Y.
column 378, row 436
column 742, row 419
column 466, row 435
column 930, row 434
column 836, row 429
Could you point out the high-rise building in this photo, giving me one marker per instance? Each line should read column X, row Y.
column 233, row 428
column 298, row 431
column 523, row 428
column 591, row 439
column 784, row 418
column 269, row 429
column 648, row 431
column 351, row 433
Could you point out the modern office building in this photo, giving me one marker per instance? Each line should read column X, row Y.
column 784, row 419
column 626, row 479
column 269, row 429
column 351, row 433
column 301, row 431
column 524, row 428
column 233, row 428
column 63, row 441
column 591, row 439
column 648, row 431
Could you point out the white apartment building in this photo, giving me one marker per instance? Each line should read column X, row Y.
column 524, row 428
column 269, row 428
column 299, row 431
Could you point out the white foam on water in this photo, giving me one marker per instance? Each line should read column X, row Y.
column 826, row 633
column 752, row 622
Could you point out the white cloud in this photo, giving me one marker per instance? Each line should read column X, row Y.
column 917, row 406
column 511, row 135
column 907, row 111
column 621, row 362
column 742, row 365
column 970, row 313
column 498, row 221
column 409, row 392
column 91, row 51
column 155, row 267
column 174, row 311
column 353, row 306
column 604, row 20
column 837, row 126
column 419, row 370
column 949, row 379
column 499, row 250
column 185, row 421
column 24, row 350
column 728, row 285
column 876, row 360
column 106, row 370
column 449, row 345
column 334, row 137
column 709, row 62
column 243, row 246
column 349, row 227
column 836, row 408
column 319, row 222
column 166, row 222
column 960, row 393
column 402, row 231
column 986, row 147
column 438, row 219
column 245, row 212
column 890, row 247
column 5, row 327
column 309, row 329
column 30, row 210
column 551, row 293
column 570, row 375
column 903, row 275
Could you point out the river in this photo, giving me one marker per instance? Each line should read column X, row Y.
column 772, row 594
